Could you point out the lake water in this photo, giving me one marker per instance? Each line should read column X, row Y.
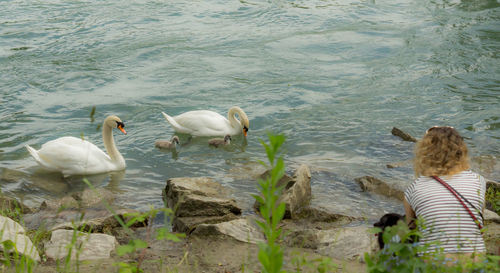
column 333, row 76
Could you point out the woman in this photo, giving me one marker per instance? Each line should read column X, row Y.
column 442, row 153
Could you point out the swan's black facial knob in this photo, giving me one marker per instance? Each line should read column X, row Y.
column 120, row 126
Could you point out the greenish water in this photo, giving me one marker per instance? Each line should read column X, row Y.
column 333, row 76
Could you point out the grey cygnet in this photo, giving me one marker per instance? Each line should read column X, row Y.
column 165, row 144
column 216, row 142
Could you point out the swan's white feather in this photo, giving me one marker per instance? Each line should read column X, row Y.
column 202, row 123
column 72, row 155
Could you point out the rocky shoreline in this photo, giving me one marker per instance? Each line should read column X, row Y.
column 219, row 237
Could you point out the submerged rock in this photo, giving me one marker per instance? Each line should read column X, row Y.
column 90, row 210
column 90, row 219
column 372, row 184
column 251, row 170
column 406, row 163
column 316, row 216
column 67, row 202
column 94, row 197
column 8, row 204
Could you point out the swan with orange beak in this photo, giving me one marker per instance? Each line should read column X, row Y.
column 209, row 123
column 72, row 155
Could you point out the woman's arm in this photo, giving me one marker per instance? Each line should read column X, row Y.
column 410, row 214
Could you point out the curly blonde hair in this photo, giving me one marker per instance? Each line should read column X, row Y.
column 442, row 151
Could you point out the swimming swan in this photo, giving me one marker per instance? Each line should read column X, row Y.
column 71, row 155
column 209, row 123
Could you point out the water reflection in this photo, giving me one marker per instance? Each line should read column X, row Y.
column 53, row 183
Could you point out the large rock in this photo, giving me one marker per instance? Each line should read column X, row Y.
column 348, row 242
column 341, row 243
column 491, row 217
column 297, row 191
column 83, row 246
column 298, row 195
column 199, row 196
column 372, row 184
column 243, row 229
column 12, row 231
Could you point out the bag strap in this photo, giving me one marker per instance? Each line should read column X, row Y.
column 456, row 194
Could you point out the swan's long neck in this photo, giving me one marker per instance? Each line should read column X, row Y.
column 109, row 144
column 232, row 119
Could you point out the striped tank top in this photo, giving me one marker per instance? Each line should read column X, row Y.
column 446, row 221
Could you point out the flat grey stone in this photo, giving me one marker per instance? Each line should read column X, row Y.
column 14, row 232
column 244, row 230
column 86, row 246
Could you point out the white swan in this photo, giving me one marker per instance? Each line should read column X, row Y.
column 209, row 123
column 71, row 155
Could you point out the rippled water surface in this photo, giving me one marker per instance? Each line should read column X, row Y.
column 333, row 76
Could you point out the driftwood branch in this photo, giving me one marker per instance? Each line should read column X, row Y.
column 405, row 136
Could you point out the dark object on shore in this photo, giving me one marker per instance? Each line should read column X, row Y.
column 216, row 142
column 388, row 220
column 165, row 144
column 405, row 136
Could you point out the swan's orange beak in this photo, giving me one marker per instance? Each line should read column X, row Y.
column 245, row 130
column 120, row 127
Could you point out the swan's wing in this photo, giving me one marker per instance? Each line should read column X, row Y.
column 204, row 123
column 72, row 155
column 177, row 127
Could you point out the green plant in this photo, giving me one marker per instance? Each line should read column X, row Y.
column 493, row 198
column 22, row 263
column 320, row 265
column 74, row 246
column 137, row 246
column 11, row 252
column 270, row 253
column 404, row 256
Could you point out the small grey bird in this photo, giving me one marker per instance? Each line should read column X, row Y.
column 216, row 142
column 165, row 144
